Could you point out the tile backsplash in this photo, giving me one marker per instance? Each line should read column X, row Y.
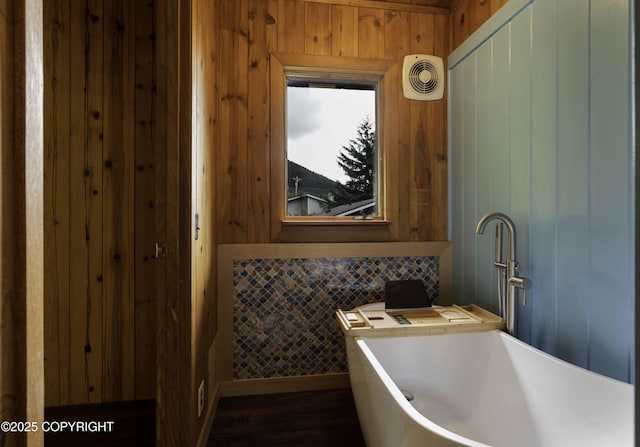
column 284, row 309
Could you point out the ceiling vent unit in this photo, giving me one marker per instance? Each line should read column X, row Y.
column 423, row 77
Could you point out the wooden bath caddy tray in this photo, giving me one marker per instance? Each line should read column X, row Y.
column 424, row 321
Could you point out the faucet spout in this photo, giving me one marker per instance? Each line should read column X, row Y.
column 506, row 220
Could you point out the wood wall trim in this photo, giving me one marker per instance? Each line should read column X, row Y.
column 34, row 225
column 229, row 252
column 278, row 126
column 175, row 399
column 254, row 387
column 28, row 364
column 331, row 66
column 399, row 5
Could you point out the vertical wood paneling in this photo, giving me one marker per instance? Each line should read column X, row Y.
column 291, row 20
column 85, row 205
column 97, row 139
column 438, row 136
column 468, row 15
column 205, row 96
column 56, row 54
column 397, row 137
column 263, row 40
column 344, row 35
column 570, row 185
column 479, row 12
column 184, row 304
column 8, row 405
column 371, row 33
column 118, row 161
column 460, row 28
column 496, row 4
column 428, row 138
column 397, row 34
column 317, row 29
column 145, row 205
column 171, row 406
column 99, row 169
column 422, row 128
column 415, row 144
column 232, row 164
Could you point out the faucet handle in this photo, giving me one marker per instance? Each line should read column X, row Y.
column 523, row 284
column 520, row 282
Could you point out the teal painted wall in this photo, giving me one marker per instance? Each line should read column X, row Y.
column 540, row 127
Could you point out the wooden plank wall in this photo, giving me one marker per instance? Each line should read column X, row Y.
column 468, row 15
column 252, row 29
column 8, row 403
column 174, row 385
column 99, row 200
column 205, row 64
column 100, row 162
column 10, row 376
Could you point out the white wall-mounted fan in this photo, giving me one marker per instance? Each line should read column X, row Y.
column 423, row 77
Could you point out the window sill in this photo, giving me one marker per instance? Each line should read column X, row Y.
column 351, row 230
column 301, row 221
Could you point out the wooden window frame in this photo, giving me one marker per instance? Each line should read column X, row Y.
column 318, row 228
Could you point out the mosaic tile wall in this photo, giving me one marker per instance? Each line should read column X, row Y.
column 284, row 309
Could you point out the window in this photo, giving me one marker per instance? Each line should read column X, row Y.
column 300, row 209
column 331, row 148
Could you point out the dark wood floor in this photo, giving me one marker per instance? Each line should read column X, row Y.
column 306, row 419
column 134, row 425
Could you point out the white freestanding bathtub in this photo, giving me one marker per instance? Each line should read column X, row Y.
column 482, row 389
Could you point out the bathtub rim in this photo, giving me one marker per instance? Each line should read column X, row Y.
column 419, row 418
